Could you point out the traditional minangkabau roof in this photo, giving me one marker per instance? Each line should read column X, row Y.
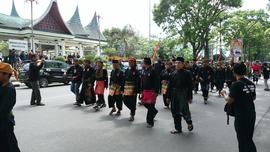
column 52, row 21
column 75, row 24
column 14, row 10
column 93, row 30
column 7, row 21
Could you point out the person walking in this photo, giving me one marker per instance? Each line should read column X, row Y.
column 101, row 77
column 8, row 141
column 180, row 94
column 131, row 87
column 266, row 72
column 165, row 77
column 34, row 76
column 241, row 98
column 75, row 71
column 150, row 90
column 87, row 94
column 205, row 74
column 116, row 89
column 219, row 77
column 195, row 75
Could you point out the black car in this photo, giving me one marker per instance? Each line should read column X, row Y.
column 52, row 72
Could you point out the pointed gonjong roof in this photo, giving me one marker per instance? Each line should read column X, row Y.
column 14, row 12
column 93, row 30
column 75, row 24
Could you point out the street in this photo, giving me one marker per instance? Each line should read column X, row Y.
column 62, row 127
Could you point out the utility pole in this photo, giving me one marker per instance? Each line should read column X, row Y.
column 32, row 26
column 150, row 11
column 99, row 35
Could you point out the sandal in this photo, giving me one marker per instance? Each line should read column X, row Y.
column 190, row 127
column 176, row 132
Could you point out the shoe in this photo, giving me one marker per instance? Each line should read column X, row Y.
column 118, row 113
column 112, row 111
column 96, row 108
column 150, row 126
column 205, row 100
column 176, row 132
column 190, row 127
column 131, row 118
column 266, row 89
column 40, row 104
column 77, row 104
column 32, row 104
column 102, row 106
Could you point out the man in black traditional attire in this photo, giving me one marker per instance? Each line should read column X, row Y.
column 131, row 87
column 180, row 90
column 116, row 88
column 150, row 90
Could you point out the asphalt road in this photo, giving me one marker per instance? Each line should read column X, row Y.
column 62, row 127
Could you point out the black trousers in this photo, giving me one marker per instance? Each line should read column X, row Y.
column 8, row 141
column 178, row 121
column 166, row 103
column 118, row 99
column 205, row 89
column 101, row 99
column 151, row 113
column 87, row 98
column 219, row 84
column 35, row 97
column 244, row 128
column 195, row 86
column 131, row 102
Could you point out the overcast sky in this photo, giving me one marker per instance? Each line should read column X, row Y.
column 115, row 13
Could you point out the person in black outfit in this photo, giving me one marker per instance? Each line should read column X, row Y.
column 76, row 72
column 165, row 77
column 219, row 77
column 205, row 75
column 101, row 77
column 195, row 75
column 266, row 72
column 131, row 87
column 8, row 141
column 34, row 76
column 150, row 90
column 116, row 89
column 87, row 93
column 159, row 67
column 242, row 95
column 180, row 94
column 229, row 77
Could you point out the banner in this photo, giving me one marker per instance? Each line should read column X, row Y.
column 236, row 48
column 19, row 45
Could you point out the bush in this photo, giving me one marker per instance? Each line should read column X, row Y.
column 60, row 58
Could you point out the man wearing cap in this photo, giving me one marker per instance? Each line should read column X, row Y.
column 131, row 87
column 87, row 93
column 116, row 89
column 180, row 94
column 205, row 75
column 150, row 90
column 34, row 76
column 75, row 71
column 8, row 141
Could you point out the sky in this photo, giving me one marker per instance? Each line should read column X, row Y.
column 114, row 13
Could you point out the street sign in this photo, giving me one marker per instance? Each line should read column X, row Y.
column 19, row 45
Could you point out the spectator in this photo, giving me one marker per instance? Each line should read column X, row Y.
column 241, row 98
column 266, row 71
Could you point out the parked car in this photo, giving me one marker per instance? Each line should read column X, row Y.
column 52, row 72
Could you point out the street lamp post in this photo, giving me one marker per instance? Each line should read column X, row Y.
column 32, row 26
column 99, row 35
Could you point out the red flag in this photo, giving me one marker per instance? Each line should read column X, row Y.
column 155, row 51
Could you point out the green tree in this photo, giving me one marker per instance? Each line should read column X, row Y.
column 192, row 19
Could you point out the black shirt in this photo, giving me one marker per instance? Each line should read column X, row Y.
column 7, row 102
column 89, row 75
column 206, row 73
column 182, row 80
column 117, row 77
column 150, row 80
column 34, row 71
column 243, row 92
column 133, row 75
column 77, row 72
column 266, row 72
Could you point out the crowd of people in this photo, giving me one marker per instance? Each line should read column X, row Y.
column 176, row 79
